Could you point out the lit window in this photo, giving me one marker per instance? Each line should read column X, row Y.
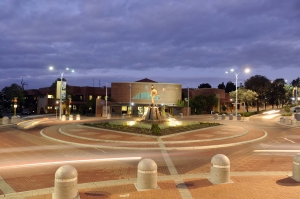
column 49, row 107
column 50, row 96
column 124, row 108
column 74, row 107
column 90, row 97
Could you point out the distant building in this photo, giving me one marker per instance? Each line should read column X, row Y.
column 133, row 98
column 224, row 98
column 130, row 98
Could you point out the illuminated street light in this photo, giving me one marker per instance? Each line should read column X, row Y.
column 61, row 81
column 247, row 70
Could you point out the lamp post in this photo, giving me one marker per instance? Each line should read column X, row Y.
column 56, row 107
column 15, row 105
column 61, row 81
column 106, row 100
column 247, row 70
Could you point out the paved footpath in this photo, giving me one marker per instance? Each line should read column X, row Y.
column 178, row 180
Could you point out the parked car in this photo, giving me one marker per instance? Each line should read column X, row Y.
column 297, row 109
column 25, row 112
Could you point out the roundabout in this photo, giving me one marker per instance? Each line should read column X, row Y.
column 225, row 135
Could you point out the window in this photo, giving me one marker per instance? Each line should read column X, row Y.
column 50, row 96
column 49, row 107
column 90, row 97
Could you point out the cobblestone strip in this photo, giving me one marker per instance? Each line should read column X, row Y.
column 182, row 188
column 5, row 187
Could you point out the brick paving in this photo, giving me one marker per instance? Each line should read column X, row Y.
column 27, row 147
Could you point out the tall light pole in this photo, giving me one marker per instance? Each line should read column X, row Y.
column 106, row 99
column 61, row 82
column 247, row 70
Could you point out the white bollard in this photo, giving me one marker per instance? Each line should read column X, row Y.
column 65, row 184
column 5, row 120
column 146, row 175
column 71, row 117
column 223, row 116
column 296, row 167
column 220, row 169
column 63, row 118
column 77, row 117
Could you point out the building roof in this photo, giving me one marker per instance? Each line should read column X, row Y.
column 146, row 80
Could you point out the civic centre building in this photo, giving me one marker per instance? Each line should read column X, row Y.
column 130, row 98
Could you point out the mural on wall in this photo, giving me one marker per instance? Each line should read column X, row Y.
column 145, row 95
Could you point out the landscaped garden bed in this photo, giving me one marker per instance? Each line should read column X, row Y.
column 160, row 129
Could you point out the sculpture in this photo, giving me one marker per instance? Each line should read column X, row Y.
column 153, row 93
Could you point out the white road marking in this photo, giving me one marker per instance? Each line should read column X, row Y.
column 70, row 161
column 289, row 140
column 277, row 151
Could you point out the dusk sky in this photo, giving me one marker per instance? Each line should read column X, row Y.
column 188, row 41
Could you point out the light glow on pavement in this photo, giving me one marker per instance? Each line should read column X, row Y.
column 70, row 161
column 276, row 151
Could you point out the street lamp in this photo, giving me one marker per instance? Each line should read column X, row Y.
column 61, row 80
column 15, row 105
column 247, row 70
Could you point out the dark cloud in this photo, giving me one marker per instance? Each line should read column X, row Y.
column 105, row 36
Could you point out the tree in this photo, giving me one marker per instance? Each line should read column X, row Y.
column 259, row 84
column 9, row 93
column 221, row 86
column 277, row 92
column 198, row 103
column 202, row 103
column 211, row 101
column 296, row 84
column 245, row 95
column 204, row 85
column 229, row 87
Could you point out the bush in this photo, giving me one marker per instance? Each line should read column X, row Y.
column 155, row 129
column 248, row 114
column 287, row 114
column 287, row 108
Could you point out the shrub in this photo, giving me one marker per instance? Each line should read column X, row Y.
column 155, row 129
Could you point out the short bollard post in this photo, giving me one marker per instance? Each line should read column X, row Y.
column 294, row 122
column 223, row 116
column 63, row 118
column 5, row 120
column 14, row 119
column 18, row 119
column 216, row 116
column 71, row 117
column 77, row 117
column 287, row 121
column 124, row 116
column 146, row 175
column 230, row 117
column 296, row 167
column 281, row 119
column 108, row 116
column 239, row 117
column 220, row 169
column 180, row 115
column 65, row 184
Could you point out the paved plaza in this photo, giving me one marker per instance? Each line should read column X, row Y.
column 260, row 150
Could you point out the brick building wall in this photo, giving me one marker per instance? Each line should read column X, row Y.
column 139, row 92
